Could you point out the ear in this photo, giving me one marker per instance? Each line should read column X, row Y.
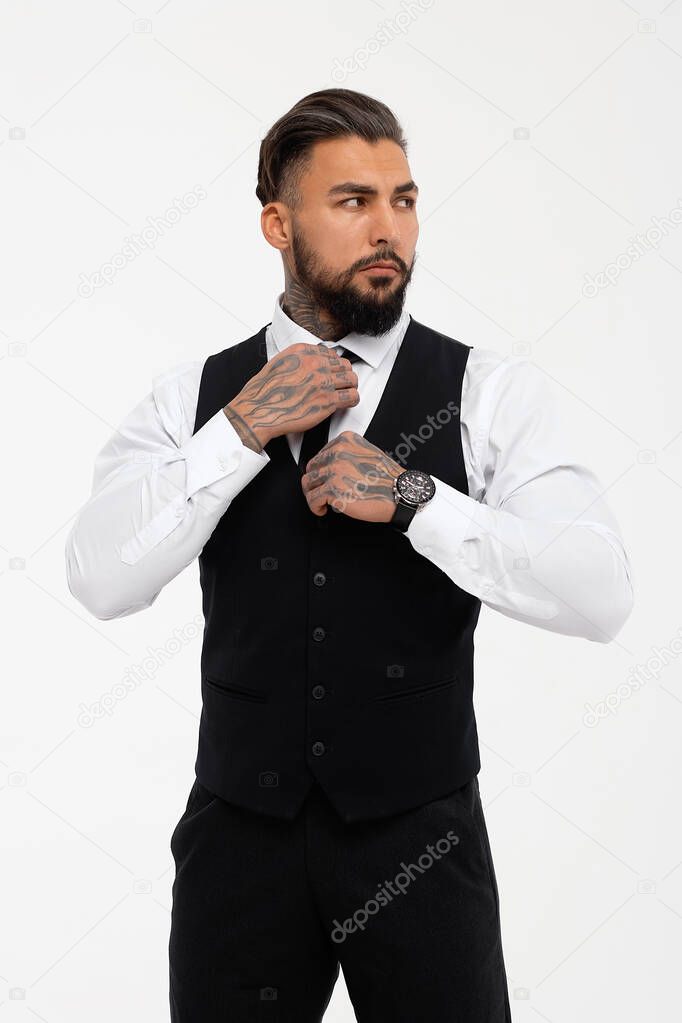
column 275, row 223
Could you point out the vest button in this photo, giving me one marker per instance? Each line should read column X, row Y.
column 319, row 634
column 319, row 578
column 318, row 749
column 318, row 692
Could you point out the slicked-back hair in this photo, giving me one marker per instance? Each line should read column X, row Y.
column 286, row 151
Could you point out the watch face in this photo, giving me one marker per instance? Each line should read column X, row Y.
column 415, row 486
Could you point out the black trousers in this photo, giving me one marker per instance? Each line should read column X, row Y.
column 265, row 911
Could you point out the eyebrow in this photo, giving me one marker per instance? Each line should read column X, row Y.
column 354, row 186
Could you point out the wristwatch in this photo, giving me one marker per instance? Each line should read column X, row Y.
column 412, row 489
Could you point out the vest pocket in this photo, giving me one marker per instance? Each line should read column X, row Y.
column 237, row 692
column 423, row 690
column 198, row 800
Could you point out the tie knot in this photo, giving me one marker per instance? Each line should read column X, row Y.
column 345, row 353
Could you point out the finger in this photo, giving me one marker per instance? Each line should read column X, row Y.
column 327, row 352
column 322, row 487
column 337, row 364
column 313, row 494
column 343, row 367
column 313, row 478
column 331, row 354
column 343, row 375
column 320, row 460
column 346, row 387
column 317, row 500
column 326, row 497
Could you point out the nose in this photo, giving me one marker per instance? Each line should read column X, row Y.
column 384, row 226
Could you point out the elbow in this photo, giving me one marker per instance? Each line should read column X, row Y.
column 86, row 588
column 86, row 594
column 610, row 617
column 102, row 585
column 602, row 591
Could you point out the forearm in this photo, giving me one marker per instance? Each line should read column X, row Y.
column 152, row 516
column 567, row 578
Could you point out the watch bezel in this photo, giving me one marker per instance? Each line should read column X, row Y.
column 399, row 481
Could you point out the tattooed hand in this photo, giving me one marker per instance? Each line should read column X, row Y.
column 352, row 476
column 295, row 389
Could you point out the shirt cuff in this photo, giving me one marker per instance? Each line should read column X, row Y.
column 216, row 450
column 441, row 527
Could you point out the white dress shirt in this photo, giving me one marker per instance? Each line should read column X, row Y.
column 533, row 539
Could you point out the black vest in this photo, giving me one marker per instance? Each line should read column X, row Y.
column 332, row 650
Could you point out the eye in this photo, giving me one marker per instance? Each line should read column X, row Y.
column 357, row 198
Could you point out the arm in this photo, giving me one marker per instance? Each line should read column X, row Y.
column 536, row 541
column 157, row 495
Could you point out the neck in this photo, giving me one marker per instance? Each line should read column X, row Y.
column 300, row 306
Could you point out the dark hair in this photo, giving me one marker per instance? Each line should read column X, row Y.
column 286, row 151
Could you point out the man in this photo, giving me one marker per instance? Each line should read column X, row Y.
column 354, row 484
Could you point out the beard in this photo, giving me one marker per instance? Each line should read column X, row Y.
column 373, row 312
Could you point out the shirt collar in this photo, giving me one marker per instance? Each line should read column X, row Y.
column 372, row 348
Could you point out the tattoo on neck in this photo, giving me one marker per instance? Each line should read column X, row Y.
column 300, row 307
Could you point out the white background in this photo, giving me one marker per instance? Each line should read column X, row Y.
column 543, row 136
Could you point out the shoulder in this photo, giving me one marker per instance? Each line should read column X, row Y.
column 437, row 337
column 488, row 370
column 175, row 393
column 506, row 399
column 498, row 377
column 178, row 374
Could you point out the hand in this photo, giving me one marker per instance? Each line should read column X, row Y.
column 293, row 392
column 351, row 476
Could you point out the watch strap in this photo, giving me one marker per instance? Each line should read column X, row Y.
column 403, row 515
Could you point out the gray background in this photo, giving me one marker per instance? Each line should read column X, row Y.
column 544, row 137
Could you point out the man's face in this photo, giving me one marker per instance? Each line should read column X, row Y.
column 359, row 207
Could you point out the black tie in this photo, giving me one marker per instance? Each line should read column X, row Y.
column 317, row 436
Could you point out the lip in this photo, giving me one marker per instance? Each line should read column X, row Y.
column 379, row 268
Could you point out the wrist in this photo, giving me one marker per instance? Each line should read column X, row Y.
column 412, row 491
column 252, row 436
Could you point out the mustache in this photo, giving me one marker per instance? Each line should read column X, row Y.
column 388, row 257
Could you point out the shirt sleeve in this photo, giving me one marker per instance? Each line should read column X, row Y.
column 158, row 492
column 534, row 539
